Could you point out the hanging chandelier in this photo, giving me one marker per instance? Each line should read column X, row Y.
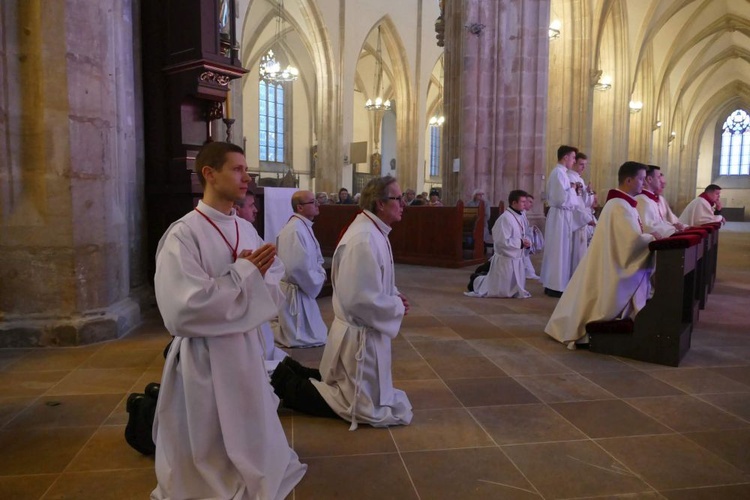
column 270, row 67
column 379, row 104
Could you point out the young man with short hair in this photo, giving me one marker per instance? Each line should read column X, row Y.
column 216, row 428
column 613, row 280
column 704, row 208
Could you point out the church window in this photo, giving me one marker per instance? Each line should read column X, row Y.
column 735, row 144
column 271, row 116
column 434, row 151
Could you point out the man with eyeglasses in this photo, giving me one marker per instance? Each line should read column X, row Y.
column 355, row 381
column 300, row 322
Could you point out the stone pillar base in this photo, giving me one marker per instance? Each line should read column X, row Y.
column 95, row 326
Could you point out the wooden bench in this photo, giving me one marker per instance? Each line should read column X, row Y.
column 427, row 236
column 473, row 231
column 661, row 331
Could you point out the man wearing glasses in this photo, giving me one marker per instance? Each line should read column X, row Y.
column 355, row 373
column 300, row 323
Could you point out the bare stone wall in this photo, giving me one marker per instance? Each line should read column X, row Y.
column 71, row 211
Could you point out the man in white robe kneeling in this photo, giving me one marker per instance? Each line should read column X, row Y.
column 300, row 323
column 355, row 381
column 216, row 428
column 613, row 279
column 507, row 276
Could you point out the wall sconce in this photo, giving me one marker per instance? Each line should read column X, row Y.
column 658, row 124
column 635, row 106
column 604, row 83
column 475, row 28
column 672, row 136
column 554, row 29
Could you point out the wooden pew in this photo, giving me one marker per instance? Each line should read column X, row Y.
column 427, row 236
column 661, row 331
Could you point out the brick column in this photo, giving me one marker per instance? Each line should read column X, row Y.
column 496, row 56
column 71, row 213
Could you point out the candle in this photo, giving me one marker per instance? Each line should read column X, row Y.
column 228, row 105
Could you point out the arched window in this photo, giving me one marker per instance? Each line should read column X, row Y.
column 434, row 151
column 272, row 123
column 735, row 144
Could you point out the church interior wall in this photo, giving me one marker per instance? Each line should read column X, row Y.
column 72, row 186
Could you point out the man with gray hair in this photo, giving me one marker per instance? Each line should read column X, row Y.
column 300, row 322
column 356, row 382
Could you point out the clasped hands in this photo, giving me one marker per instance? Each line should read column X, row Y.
column 261, row 258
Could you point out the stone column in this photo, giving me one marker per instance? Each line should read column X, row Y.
column 496, row 57
column 71, row 210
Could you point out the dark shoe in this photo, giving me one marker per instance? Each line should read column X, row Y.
column 552, row 293
column 301, row 370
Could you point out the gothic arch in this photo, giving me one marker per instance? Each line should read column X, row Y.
column 569, row 89
column 610, row 108
column 734, row 94
column 402, row 91
column 321, row 91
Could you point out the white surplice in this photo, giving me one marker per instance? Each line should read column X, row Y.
column 527, row 231
column 558, row 231
column 698, row 212
column 216, row 429
column 300, row 322
column 651, row 217
column 356, row 363
column 666, row 211
column 507, row 276
column 612, row 280
column 580, row 219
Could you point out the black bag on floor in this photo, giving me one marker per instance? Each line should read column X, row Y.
column 482, row 270
column 141, row 409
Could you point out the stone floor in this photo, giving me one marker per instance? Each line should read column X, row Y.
column 500, row 410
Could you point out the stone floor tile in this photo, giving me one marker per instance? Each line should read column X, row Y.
column 30, row 487
column 671, row 461
column 732, row 445
column 317, row 436
column 66, row 411
column 469, row 473
column 417, row 369
column 573, row 469
column 440, row 429
column 700, row 381
column 40, row 451
column 610, row 418
column 428, row 394
column 521, row 424
column 490, row 391
column 135, row 484
column 631, row 384
column 96, row 381
column 457, row 368
column 107, row 450
column 687, row 414
column 353, row 477
column 563, row 387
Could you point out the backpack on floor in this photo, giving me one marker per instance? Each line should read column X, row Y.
column 141, row 409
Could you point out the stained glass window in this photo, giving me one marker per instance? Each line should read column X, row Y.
column 435, row 151
column 271, row 122
column 735, row 144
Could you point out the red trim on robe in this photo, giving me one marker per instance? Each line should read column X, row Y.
column 616, row 193
column 705, row 197
column 650, row 195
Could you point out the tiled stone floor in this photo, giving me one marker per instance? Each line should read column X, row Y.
column 500, row 411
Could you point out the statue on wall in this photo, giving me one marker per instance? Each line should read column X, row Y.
column 375, row 160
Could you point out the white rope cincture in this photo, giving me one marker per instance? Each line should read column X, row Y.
column 359, row 358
